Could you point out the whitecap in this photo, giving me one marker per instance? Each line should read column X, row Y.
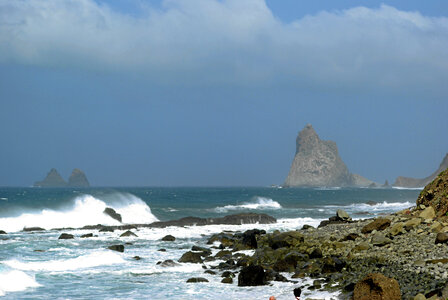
column 15, row 281
column 258, row 203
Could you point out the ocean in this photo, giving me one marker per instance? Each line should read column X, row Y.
column 37, row 265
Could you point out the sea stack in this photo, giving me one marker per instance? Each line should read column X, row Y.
column 409, row 182
column 53, row 179
column 78, row 179
column 317, row 164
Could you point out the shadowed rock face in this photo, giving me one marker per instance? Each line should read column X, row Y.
column 53, row 179
column 415, row 182
column 78, row 179
column 317, row 163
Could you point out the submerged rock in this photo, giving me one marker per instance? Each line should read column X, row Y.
column 66, row 236
column 377, row 286
column 168, row 238
column 196, row 280
column 128, row 234
column 119, row 248
column 87, row 235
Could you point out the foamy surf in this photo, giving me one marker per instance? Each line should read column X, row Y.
column 92, row 260
column 86, row 210
column 15, row 281
column 259, row 203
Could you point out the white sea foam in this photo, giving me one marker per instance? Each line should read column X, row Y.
column 382, row 206
column 257, row 203
column 95, row 259
column 86, row 210
column 15, row 281
column 407, row 188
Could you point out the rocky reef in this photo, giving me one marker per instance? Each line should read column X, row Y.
column 53, row 179
column 317, row 163
column 409, row 182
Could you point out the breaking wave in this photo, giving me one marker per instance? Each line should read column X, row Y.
column 85, row 210
column 15, row 281
column 259, row 203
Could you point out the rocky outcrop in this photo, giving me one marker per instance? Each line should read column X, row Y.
column 78, row 179
column 317, row 163
column 435, row 195
column 53, row 179
column 415, row 182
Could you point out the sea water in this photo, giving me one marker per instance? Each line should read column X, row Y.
column 36, row 265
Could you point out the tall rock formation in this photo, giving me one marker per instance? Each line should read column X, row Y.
column 317, row 163
column 78, row 179
column 415, row 182
column 53, row 179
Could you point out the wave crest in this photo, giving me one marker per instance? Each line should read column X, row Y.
column 15, row 281
column 258, row 203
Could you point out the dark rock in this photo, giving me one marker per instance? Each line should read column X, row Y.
column 39, row 250
column 350, row 237
column 371, row 203
column 332, row 264
column 378, row 225
column 306, row 226
column 204, row 251
column 210, row 272
column 112, row 213
column 250, row 237
column 435, row 194
column 78, row 179
column 162, row 250
column 66, row 236
column 168, row 263
column 442, row 238
column 377, row 286
column 196, row 280
column 252, row 276
column 128, row 233
column 227, row 274
column 87, row 235
column 223, row 253
column 191, row 257
column 53, row 179
column 168, row 238
column 29, row 229
column 107, row 229
column 137, row 257
column 119, row 248
column 2, row 232
column 316, row 253
column 227, row 280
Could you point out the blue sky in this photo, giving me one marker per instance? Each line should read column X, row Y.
column 207, row 92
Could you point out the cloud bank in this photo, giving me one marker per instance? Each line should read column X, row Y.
column 231, row 41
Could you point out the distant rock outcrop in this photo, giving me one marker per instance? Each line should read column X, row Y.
column 53, row 179
column 317, row 163
column 415, row 182
column 78, row 179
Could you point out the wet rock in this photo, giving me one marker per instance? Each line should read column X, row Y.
column 252, row 276
column 204, row 251
column 223, row 253
column 227, row 280
column 128, row 234
column 30, row 229
column 249, row 238
column 377, row 286
column 118, row 248
column 442, row 238
column 378, row 225
column 210, row 272
column 2, row 232
column 196, row 280
column 87, row 235
column 66, row 236
column 136, row 257
column 106, row 229
column 332, row 264
column 191, row 257
column 168, row 238
column 162, row 250
column 168, row 263
column 38, row 250
column 227, row 274
column 112, row 213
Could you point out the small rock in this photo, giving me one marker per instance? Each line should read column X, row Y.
column 306, row 226
column 396, row 229
column 106, row 229
column 168, row 238
column 196, row 280
column 362, row 246
column 162, row 250
column 412, row 223
column 137, row 257
column 119, row 248
column 436, row 227
column 441, row 238
column 128, row 233
column 168, row 263
column 379, row 239
column 210, row 272
column 227, row 280
column 378, row 225
column 66, row 236
column 87, row 235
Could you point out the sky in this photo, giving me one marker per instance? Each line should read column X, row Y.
column 214, row 92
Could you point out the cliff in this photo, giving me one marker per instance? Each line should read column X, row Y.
column 317, row 163
column 78, row 179
column 415, row 182
column 435, row 194
column 53, row 179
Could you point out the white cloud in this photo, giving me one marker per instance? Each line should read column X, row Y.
column 231, row 41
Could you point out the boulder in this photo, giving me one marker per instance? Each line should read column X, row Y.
column 128, row 233
column 87, row 235
column 196, row 280
column 442, row 238
column 2, row 232
column 66, row 236
column 412, row 223
column 362, row 246
column 168, row 238
column 396, row 229
column 204, row 251
column 112, row 213
column 168, row 263
column 343, row 215
column 30, row 229
column 249, row 238
column 376, row 286
column 252, row 276
column 118, row 248
column 378, row 225
column 428, row 213
column 380, row 240
column 191, row 257
column 419, row 297
column 228, row 280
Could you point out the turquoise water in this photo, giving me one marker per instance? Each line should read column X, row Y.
column 86, row 269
